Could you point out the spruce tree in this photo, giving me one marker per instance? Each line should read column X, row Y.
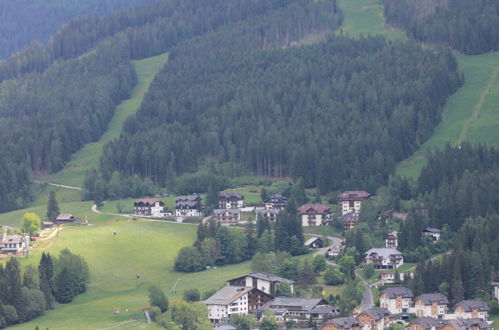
column 46, row 273
column 307, row 274
column 64, row 292
column 14, row 287
column 52, row 207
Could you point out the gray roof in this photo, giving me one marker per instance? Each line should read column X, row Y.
column 222, row 211
column 270, row 277
column 273, row 211
column 429, row 298
column 227, row 294
column 383, row 252
column 65, row 216
column 432, row 230
column 345, row 322
column 397, row 291
column 465, row 324
column 229, row 195
column 190, row 198
column 16, row 239
column 312, row 239
column 325, row 309
column 225, row 327
column 296, row 304
column 377, row 313
column 426, row 322
column 470, row 305
column 187, row 204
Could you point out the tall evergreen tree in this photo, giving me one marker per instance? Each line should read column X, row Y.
column 46, row 273
column 52, row 207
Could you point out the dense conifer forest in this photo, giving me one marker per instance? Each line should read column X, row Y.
column 471, row 27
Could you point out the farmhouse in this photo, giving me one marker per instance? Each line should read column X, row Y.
column 391, row 240
column 188, row 206
column 230, row 201
column 47, row 224
column 375, row 318
column 350, row 220
column 299, row 310
column 149, row 207
column 275, row 202
column 314, row 243
column 235, row 300
column 314, row 215
column 471, row 309
column 351, row 201
column 396, row 300
column 227, row 215
column 347, row 323
column 434, row 233
column 267, row 283
column 384, row 258
column 65, row 218
column 431, row 305
column 424, row 323
column 13, row 244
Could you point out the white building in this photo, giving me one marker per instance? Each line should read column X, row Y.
column 265, row 282
column 230, row 201
column 275, row 202
column 434, row 233
column 471, row 309
column 391, row 240
column 431, row 304
column 150, row 207
column 227, row 215
column 495, row 293
column 13, row 244
column 351, row 201
column 384, row 258
column 314, row 215
column 396, row 300
column 188, row 206
column 234, row 300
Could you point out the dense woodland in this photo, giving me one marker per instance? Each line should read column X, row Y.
column 471, row 27
column 24, row 22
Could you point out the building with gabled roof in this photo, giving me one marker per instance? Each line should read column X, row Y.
column 149, row 207
column 434, row 233
column 384, row 258
column 275, row 202
column 227, row 215
column 431, row 305
column 314, row 215
column 65, row 218
column 13, row 244
column 188, row 206
column 351, row 201
column 424, row 323
column 471, row 309
column 350, row 220
column 314, row 243
column 235, row 300
column 396, row 299
column 345, row 323
column 467, row 324
column 230, row 201
column 391, row 240
column 375, row 318
column 266, row 282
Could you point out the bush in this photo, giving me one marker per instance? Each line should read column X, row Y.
column 157, row 298
column 189, row 260
column 192, row 295
column 154, row 312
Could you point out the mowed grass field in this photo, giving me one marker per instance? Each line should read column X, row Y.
column 471, row 114
column 88, row 157
column 365, row 17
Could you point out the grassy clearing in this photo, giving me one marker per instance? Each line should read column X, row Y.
column 365, row 17
column 478, row 96
column 88, row 157
column 495, row 319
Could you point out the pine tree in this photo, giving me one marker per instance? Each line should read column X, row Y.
column 46, row 273
column 52, row 207
column 14, row 288
column 211, row 197
column 307, row 274
column 262, row 224
column 64, row 292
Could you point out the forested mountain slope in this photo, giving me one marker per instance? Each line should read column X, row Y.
column 23, row 22
column 471, row 27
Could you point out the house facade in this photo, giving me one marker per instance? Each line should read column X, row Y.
column 472, row 309
column 351, row 201
column 431, row 305
column 391, row 277
column 149, row 207
column 344, row 323
column 275, row 202
column 227, row 215
column 434, row 233
column 314, row 215
column 188, row 206
column 230, row 201
column 396, row 300
column 374, row 318
column 269, row 214
column 384, row 258
column 424, row 323
column 13, row 244
column 465, row 324
column 350, row 220
column 265, row 282
column 299, row 310
column 232, row 300
column 391, row 240
column 314, row 243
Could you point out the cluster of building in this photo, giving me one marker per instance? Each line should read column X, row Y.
column 185, row 206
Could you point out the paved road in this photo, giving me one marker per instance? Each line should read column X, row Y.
column 367, row 299
column 335, row 243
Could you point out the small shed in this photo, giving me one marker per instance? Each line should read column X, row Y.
column 314, row 243
column 65, row 218
column 47, row 224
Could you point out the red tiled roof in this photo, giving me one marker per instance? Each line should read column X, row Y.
column 319, row 208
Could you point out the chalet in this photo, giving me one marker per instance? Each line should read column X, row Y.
column 267, row 283
column 350, row 220
column 396, row 300
column 227, row 215
column 47, row 224
column 434, row 233
column 424, row 323
column 188, row 206
column 391, row 240
column 314, row 243
column 467, row 324
column 13, row 244
column 149, row 207
column 471, row 309
column 235, row 300
column 391, row 277
column 230, row 201
column 314, row 215
column 346, row 323
column 375, row 318
column 275, row 202
column 384, row 258
column 351, row 201
column 65, row 218
column 334, row 251
column 431, row 305
column 270, row 214
column 299, row 310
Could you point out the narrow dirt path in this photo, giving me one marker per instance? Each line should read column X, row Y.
column 57, row 185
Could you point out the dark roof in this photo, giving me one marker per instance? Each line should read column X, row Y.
column 431, row 230
column 345, row 322
column 270, row 277
column 354, row 195
column 426, row 322
column 222, row 211
column 229, row 195
column 350, row 217
column 319, row 208
column 312, row 240
column 394, row 292
column 187, row 204
column 465, row 324
column 67, row 217
column 296, row 304
column 429, row 298
column 324, row 309
column 275, row 197
column 190, row 198
column 377, row 313
column 470, row 305
column 383, row 252
column 148, row 201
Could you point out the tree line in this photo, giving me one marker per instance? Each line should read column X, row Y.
column 25, row 295
column 471, row 27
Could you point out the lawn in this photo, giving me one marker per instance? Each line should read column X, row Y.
column 495, row 319
column 88, row 157
column 478, row 96
column 365, row 17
